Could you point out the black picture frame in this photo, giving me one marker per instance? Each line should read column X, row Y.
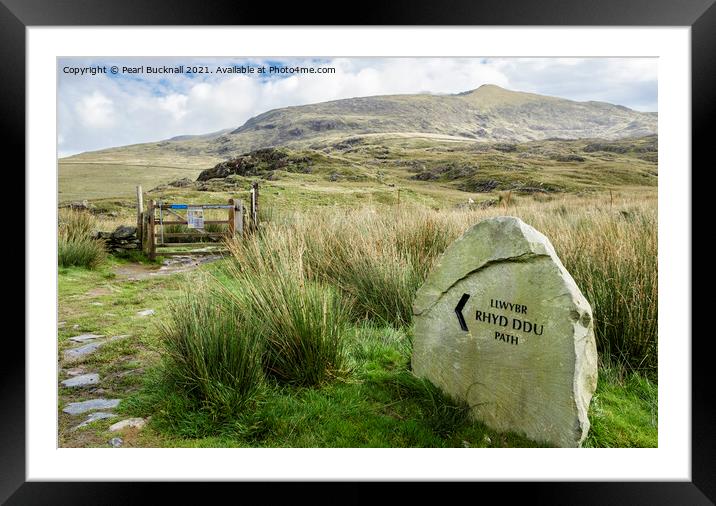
column 700, row 15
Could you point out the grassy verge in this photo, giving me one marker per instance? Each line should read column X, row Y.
column 377, row 404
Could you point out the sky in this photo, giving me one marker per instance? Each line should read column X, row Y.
column 105, row 109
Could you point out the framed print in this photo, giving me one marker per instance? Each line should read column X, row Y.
column 453, row 247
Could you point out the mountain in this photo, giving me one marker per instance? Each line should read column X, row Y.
column 488, row 113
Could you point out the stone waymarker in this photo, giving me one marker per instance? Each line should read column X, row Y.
column 501, row 324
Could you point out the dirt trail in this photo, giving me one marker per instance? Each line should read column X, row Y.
column 172, row 265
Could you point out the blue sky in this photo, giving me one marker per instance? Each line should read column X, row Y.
column 100, row 111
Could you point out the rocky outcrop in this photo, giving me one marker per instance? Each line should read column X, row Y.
column 258, row 163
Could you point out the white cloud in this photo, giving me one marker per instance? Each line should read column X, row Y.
column 102, row 111
column 175, row 104
column 96, row 111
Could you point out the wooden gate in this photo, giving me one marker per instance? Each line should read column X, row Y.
column 152, row 224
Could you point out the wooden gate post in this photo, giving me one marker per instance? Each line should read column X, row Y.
column 145, row 226
column 239, row 217
column 232, row 219
column 140, row 210
column 255, row 204
column 150, row 232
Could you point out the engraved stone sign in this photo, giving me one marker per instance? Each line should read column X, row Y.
column 500, row 323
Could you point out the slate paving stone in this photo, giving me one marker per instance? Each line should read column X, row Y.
column 93, row 417
column 83, row 380
column 84, row 337
column 129, row 423
column 77, row 408
column 82, row 351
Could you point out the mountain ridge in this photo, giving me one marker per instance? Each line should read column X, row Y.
column 488, row 113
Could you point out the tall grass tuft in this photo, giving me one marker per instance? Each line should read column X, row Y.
column 614, row 261
column 213, row 353
column 300, row 325
column 298, row 319
column 75, row 244
column 378, row 261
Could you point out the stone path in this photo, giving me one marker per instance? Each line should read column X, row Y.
column 88, row 383
column 80, row 379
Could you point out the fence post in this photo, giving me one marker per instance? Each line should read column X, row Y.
column 145, row 226
column 150, row 232
column 255, row 204
column 232, row 219
column 140, row 210
column 239, row 218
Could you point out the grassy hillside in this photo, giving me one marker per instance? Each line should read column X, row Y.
column 428, row 170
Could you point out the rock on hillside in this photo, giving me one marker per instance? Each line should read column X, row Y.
column 258, row 162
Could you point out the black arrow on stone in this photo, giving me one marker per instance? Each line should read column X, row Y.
column 458, row 311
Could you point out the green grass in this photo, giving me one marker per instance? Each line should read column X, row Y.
column 322, row 274
column 624, row 411
column 381, row 404
column 117, row 177
column 430, row 171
